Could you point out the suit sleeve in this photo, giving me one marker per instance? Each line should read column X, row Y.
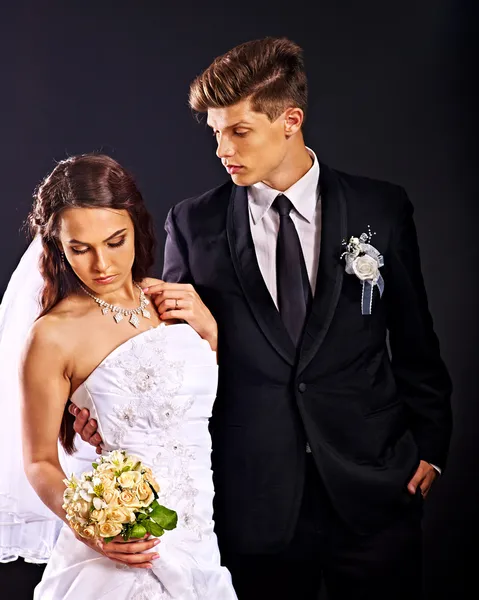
column 175, row 266
column 421, row 376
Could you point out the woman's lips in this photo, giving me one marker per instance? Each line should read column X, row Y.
column 105, row 280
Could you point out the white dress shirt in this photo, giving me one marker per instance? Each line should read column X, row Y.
column 306, row 216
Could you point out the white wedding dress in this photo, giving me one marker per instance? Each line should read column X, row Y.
column 153, row 396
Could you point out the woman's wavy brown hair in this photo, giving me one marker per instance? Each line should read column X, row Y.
column 84, row 181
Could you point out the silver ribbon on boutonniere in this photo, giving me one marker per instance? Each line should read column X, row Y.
column 364, row 260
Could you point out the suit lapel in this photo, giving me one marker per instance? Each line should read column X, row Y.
column 247, row 270
column 330, row 270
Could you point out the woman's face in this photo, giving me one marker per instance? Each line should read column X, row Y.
column 99, row 244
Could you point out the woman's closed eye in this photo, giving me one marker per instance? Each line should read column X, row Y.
column 110, row 244
column 78, row 251
column 117, row 244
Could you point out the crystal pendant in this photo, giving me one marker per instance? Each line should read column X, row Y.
column 105, row 310
column 146, row 302
column 118, row 317
column 145, row 313
column 134, row 320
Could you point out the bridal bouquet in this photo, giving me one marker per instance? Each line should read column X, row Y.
column 118, row 497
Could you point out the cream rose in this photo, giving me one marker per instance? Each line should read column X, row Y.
column 110, row 496
column 129, row 479
column 110, row 529
column 120, row 515
column 87, row 532
column 99, row 516
column 76, row 527
column 70, row 510
column 107, row 480
column 145, row 494
column 365, row 268
column 129, row 499
column 81, row 509
column 105, row 469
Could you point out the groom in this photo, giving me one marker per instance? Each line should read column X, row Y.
column 325, row 442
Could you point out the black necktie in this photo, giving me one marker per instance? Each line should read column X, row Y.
column 294, row 290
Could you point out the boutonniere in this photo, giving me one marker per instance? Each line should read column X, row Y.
column 364, row 260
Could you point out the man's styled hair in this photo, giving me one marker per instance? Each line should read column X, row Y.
column 269, row 71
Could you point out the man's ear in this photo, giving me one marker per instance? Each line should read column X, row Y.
column 293, row 120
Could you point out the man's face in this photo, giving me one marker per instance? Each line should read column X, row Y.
column 250, row 146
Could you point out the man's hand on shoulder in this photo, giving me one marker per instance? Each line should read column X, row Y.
column 181, row 301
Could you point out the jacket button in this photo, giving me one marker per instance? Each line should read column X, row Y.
column 302, row 387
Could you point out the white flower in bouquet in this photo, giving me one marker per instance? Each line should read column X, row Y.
column 118, row 497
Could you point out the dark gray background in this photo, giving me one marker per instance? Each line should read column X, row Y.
column 391, row 97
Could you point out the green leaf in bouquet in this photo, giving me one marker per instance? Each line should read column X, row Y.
column 153, row 528
column 122, row 470
column 138, row 530
column 94, row 465
column 108, row 539
column 165, row 517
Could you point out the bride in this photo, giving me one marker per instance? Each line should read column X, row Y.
column 148, row 379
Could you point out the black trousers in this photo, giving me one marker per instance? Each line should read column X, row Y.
column 386, row 565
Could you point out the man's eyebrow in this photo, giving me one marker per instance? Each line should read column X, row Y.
column 238, row 124
column 113, row 235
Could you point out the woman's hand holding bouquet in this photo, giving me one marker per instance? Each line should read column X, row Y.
column 114, row 509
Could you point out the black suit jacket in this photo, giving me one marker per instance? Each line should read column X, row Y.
column 369, row 419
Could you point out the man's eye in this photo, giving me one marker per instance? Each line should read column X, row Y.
column 240, row 133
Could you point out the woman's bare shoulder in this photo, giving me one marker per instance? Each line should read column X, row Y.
column 58, row 328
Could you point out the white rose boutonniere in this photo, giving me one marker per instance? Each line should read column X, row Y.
column 364, row 260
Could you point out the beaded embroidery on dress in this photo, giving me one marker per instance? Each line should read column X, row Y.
column 153, row 396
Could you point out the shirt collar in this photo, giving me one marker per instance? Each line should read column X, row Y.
column 302, row 194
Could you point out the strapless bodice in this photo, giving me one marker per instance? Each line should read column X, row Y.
column 152, row 396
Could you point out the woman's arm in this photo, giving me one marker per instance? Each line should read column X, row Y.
column 45, row 387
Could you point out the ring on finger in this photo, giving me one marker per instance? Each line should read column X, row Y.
column 176, row 303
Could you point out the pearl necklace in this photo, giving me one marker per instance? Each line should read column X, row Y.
column 118, row 312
